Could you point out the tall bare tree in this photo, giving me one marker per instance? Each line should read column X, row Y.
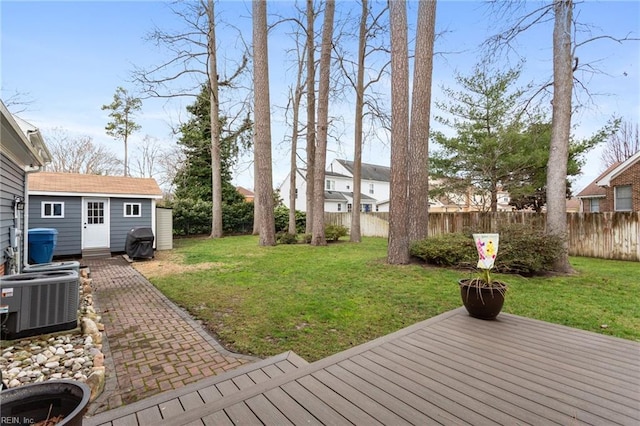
column 17, row 101
column 420, row 116
column 565, row 65
column 560, row 128
column 214, row 99
column 122, row 113
column 195, row 49
column 147, row 161
column 622, row 144
column 170, row 163
column 317, row 234
column 361, row 76
column 79, row 154
column 311, row 116
column 354, row 232
column 262, row 127
column 398, row 248
column 295, row 101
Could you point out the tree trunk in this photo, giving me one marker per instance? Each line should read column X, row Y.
column 126, row 157
column 420, row 116
column 216, row 166
column 354, row 233
column 256, row 203
column 318, row 238
column 294, row 147
column 560, row 129
column 311, row 115
column 398, row 250
column 494, row 197
column 262, row 125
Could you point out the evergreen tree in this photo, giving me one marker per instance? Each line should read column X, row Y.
column 123, row 109
column 193, row 181
column 497, row 144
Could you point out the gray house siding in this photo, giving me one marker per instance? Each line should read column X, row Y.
column 69, row 227
column 12, row 183
column 121, row 225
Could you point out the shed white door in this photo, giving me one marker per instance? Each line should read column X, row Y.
column 95, row 223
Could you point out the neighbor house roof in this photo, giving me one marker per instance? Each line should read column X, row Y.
column 334, row 195
column 245, row 192
column 605, row 179
column 593, row 190
column 21, row 140
column 83, row 184
column 369, row 171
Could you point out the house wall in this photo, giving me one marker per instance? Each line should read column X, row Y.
column 12, row 184
column 301, row 184
column 343, row 183
column 121, row 225
column 631, row 176
column 69, row 227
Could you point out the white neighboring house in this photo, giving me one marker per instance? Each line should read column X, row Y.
column 338, row 192
column 338, row 185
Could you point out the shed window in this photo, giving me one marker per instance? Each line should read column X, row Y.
column 623, row 198
column 52, row 209
column 132, row 210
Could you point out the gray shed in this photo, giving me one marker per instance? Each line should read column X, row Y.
column 92, row 213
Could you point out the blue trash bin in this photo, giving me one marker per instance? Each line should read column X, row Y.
column 42, row 243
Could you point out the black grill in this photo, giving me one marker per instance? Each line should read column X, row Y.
column 139, row 243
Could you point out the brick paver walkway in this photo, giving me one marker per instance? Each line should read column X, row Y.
column 151, row 345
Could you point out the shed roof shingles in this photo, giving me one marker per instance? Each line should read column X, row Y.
column 93, row 184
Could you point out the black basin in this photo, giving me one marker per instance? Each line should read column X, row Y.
column 30, row 404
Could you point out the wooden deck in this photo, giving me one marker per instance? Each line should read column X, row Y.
column 152, row 411
column 450, row 369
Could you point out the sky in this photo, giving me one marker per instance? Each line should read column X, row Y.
column 67, row 58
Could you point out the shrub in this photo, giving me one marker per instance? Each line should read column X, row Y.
column 521, row 250
column 237, row 218
column 334, row 232
column 281, row 216
column 191, row 217
column 286, row 238
column 526, row 251
column 446, row 250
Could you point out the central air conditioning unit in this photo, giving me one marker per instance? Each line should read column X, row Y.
column 38, row 303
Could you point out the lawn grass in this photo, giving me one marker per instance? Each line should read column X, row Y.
column 318, row 301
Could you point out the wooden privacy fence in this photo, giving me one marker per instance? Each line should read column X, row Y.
column 604, row 235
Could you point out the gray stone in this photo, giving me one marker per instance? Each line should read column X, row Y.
column 41, row 359
column 95, row 381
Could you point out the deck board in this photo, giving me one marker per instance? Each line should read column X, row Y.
column 152, row 411
column 561, row 377
column 149, row 416
column 295, row 413
column 451, row 370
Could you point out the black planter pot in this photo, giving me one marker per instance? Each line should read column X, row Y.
column 481, row 301
column 30, row 404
